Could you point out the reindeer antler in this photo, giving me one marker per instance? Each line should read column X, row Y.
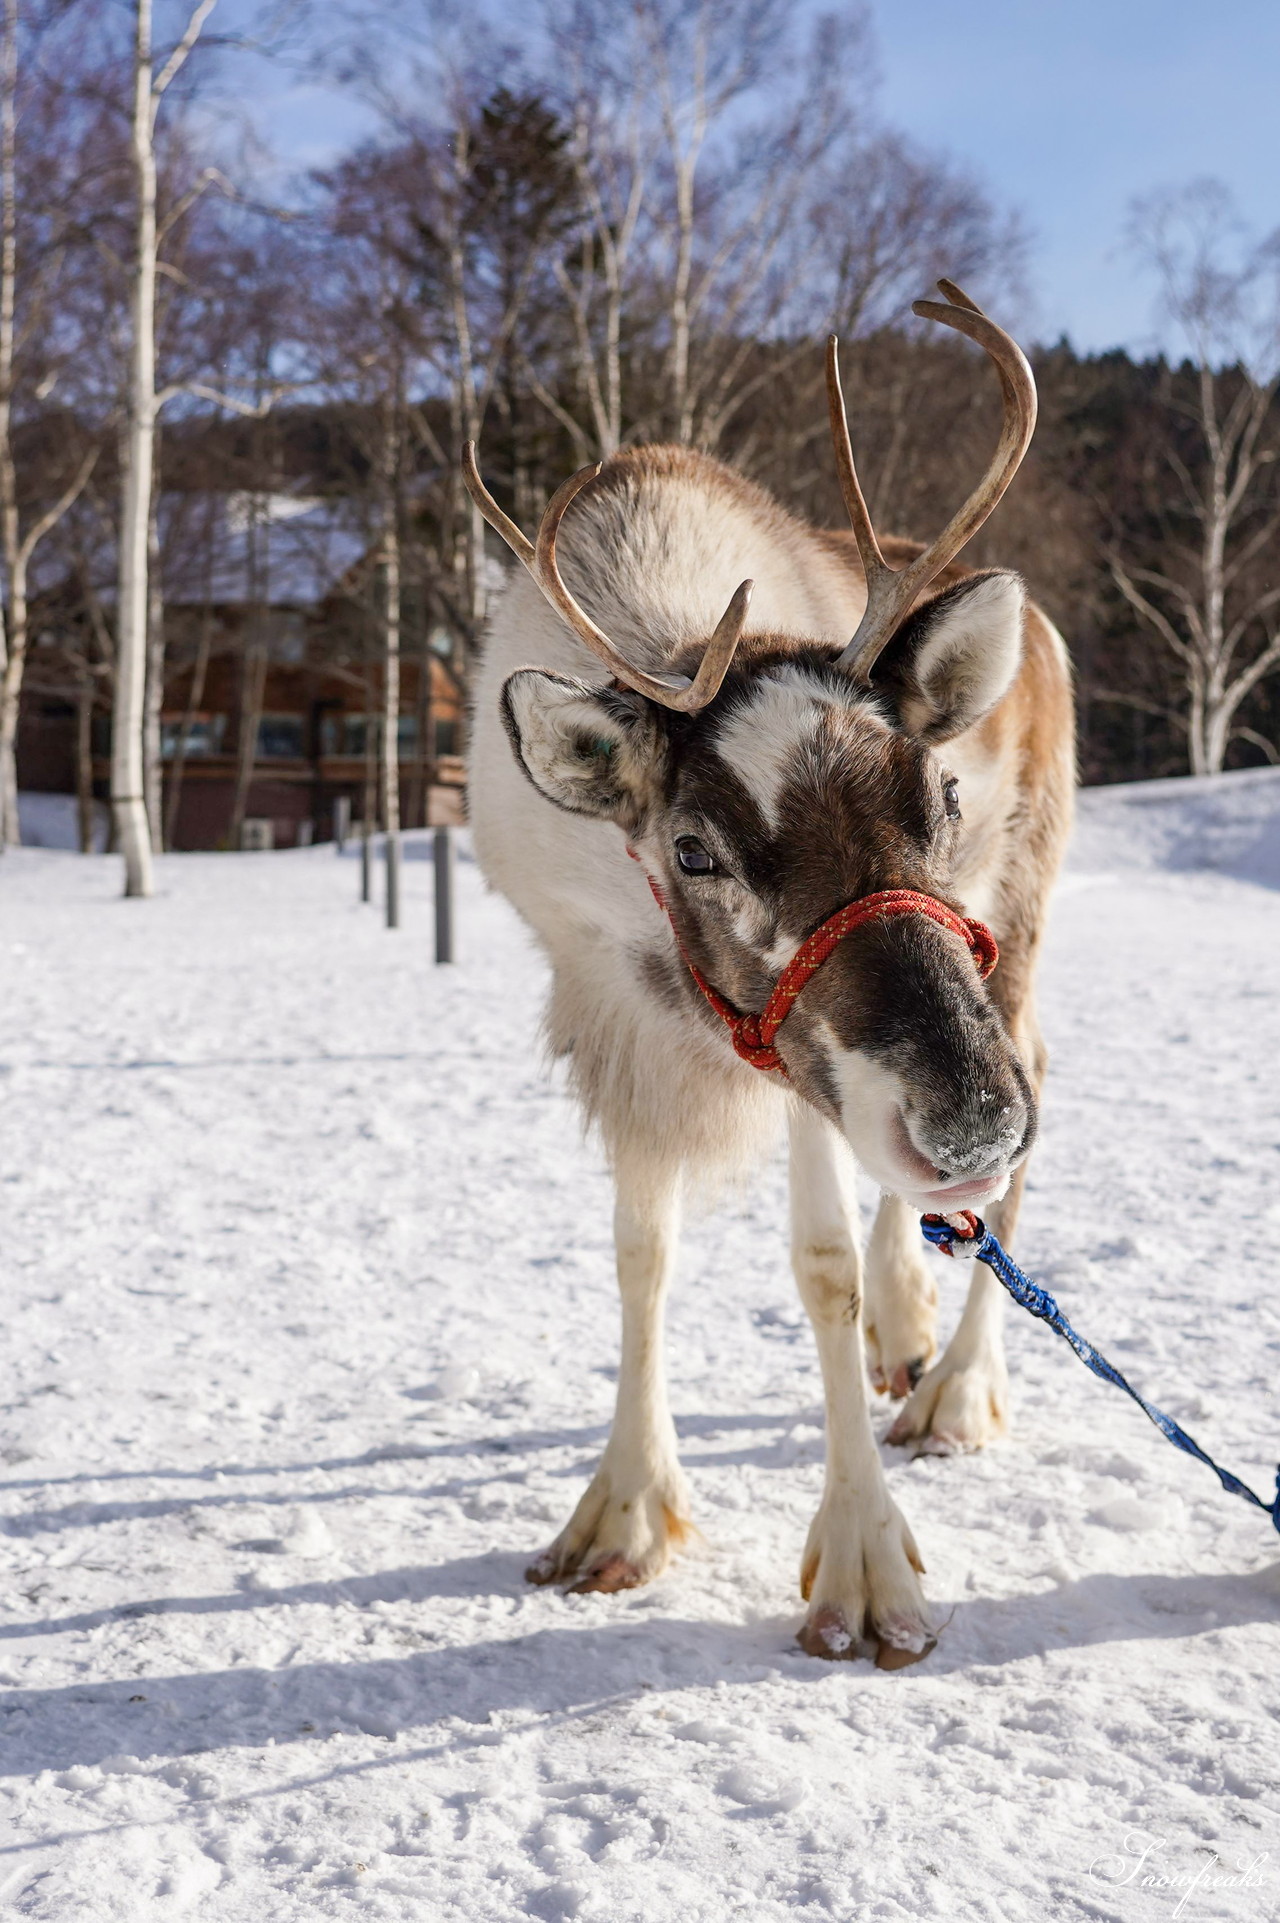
column 671, row 690
column 891, row 591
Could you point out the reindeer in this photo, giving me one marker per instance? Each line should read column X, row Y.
column 675, row 829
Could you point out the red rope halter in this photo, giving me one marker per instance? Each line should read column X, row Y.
column 753, row 1035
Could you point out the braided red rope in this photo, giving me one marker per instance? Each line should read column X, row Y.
column 753, row 1035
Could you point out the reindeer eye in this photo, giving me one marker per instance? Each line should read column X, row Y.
column 951, row 799
column 693, row 857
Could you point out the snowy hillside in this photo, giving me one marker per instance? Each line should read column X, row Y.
column 310, row 1335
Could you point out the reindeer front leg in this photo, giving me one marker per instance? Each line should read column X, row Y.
column 962, row 1402
column 901, row 1299
column 859, row 1574
column 635, row 1509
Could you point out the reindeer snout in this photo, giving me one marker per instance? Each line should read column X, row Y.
column 983, row 1139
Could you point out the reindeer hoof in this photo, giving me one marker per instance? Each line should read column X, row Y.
column 955, row 1407
column 905, row 1378
column 826, row 1635
column 901, row 1655
column 614, row 1573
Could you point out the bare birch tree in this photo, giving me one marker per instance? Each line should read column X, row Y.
column 18, row 544
column 128, row 800
column 737, row 200
column 483, row 306
column 614, row 179
column 1209, row 590
column 139, row 603
column 392, row 411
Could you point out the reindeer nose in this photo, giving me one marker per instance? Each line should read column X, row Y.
column 984, row 1139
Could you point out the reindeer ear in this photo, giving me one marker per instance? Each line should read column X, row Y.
column 953, row 657
column 590, row 750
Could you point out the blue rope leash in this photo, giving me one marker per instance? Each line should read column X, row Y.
column 976, row 1240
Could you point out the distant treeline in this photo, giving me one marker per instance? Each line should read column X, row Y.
column 1097, row 488
column 641, row 228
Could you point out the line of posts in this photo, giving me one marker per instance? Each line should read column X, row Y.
column 443, row 859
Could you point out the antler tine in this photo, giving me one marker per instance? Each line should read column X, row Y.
column 873, row 562
column 720, row 650
column 671, row 690
column 501, row 523
column 890, row 593
column 540, row 559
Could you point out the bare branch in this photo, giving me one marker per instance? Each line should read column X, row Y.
column 547, row 399
column 1261, row 538
column 417, row 420
column 1138, row 701
column 212, row 176
column 52, row 515
column 1149, row 612
column 178, row 58
column 1249, row 677
column 251, row 410
column 1259, row 741
column 1254, row 612
column 1154, row 578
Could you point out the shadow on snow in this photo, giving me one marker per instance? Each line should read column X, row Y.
column 571, row 1669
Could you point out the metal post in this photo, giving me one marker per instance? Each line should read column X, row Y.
column 341, row 821
column 442, row 854
column 366, row 860
column 391, row 854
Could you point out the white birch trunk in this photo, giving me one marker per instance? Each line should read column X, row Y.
column 84, row 763
column 133, row 831
column 391, row 696
column 11, row 643
column 152, row 761
column 685, row 167
column 128, row 802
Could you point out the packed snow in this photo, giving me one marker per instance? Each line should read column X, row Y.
column 311, row 1336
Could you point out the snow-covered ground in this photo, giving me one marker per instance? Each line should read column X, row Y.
column 310, row 1336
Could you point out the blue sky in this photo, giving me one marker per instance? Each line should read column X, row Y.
column 1064, row 109
column 1069, row 110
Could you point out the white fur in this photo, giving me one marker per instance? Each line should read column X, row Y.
column 781, row 949
column 764, row 742
column 858, row 1562
column 963, row 1401
column 881, row 1136
column 638, row 1492
column 975, row 641
column 655, row 564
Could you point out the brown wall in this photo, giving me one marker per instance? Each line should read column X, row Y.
column 287, row 790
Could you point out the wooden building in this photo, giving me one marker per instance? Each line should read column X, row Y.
column 273, row 670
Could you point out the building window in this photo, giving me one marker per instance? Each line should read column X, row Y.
column 204, row 735
column 281, row 737
column 446, row 737
column 344, row 734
